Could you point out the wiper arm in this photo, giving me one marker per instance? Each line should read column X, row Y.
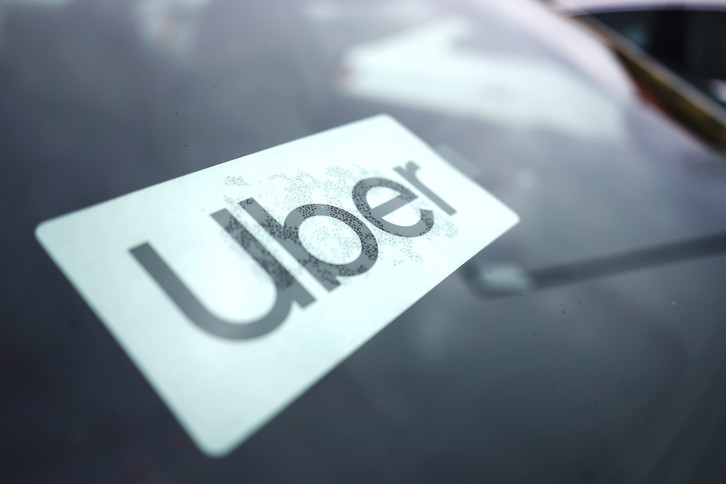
column 510, row 279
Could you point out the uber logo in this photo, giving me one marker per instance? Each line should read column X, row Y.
column 234, row 289
column 288, row 289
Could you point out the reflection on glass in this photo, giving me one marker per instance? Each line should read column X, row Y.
column 436, row 68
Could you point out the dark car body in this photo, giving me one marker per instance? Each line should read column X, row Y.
column 585, row 345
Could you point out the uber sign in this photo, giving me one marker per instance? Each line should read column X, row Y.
column 236, row 288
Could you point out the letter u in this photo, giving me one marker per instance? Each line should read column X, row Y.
column 288, row 289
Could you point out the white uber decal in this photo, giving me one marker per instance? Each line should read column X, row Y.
column 236, row 288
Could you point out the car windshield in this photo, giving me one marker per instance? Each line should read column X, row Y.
column 584, row 345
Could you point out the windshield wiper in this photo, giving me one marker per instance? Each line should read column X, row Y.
column 509, row 279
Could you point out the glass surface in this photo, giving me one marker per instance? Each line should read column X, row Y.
column 585, row 345
column 635, row 25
